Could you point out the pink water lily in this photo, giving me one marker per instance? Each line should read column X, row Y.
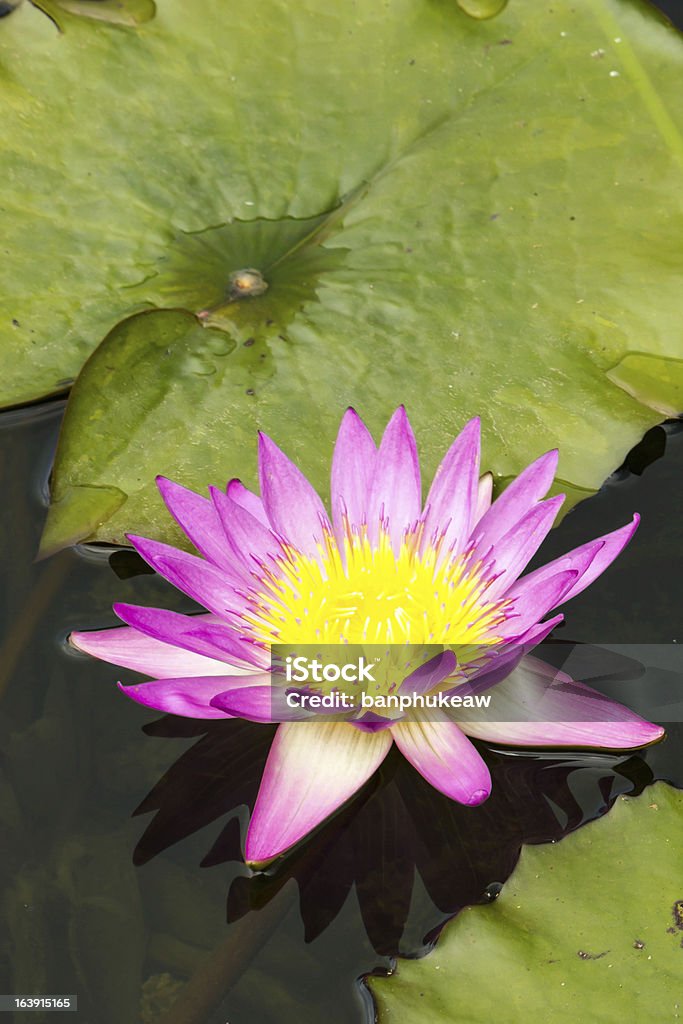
column 381, row 567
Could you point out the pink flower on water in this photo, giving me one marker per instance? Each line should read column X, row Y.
column 382, row 568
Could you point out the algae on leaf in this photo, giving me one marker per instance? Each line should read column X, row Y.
column 593, row 921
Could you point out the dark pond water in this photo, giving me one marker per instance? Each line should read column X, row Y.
column 105, row 904
column 673, row 10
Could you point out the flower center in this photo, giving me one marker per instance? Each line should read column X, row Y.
column 366, row 593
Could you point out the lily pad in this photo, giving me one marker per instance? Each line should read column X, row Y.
column 116, row 12
column 467, row 214
column 596, row 921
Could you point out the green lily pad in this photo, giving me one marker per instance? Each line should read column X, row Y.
column 116, row 12
column 655, row 381
column 466, row 214
column 594, row 922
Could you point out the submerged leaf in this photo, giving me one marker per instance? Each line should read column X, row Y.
column 105, row 929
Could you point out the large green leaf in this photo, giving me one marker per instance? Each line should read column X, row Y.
column 464, row 215
column 590, row 929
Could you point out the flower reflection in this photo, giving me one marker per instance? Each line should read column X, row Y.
column 396, row 831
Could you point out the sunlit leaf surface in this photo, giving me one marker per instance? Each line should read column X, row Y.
column 467, row 214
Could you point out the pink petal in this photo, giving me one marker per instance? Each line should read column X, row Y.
column 197, row 517
column 576, row 715
column 312, row 769
column 445, row 757
column 512, row 552
column 537, row 633
column 429, row 675
column 452, row 498
column 193, row 633
column 536, row 601
column 498, row 665
column 396, row 494
column 132, row 649
column 209, row 586
column 252, row 542
column 247, row 500
column 484, row 495
column 190, row 697
column 294, row 509
column 590, row 559
column 353, row 466
column 504, row 659
column 517, row 499
column 579, row 564
column 263, row 702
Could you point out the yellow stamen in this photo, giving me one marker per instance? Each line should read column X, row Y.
column 366, row 593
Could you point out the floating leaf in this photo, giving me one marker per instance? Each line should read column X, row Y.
column 656, row 381
column 482, row 8
column 116, row 12
column 596, row 920
column 218, row 271
column 459, row 214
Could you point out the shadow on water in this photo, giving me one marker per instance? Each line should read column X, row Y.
column 154, row 918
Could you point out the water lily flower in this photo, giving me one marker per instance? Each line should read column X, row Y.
column 380, row 567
